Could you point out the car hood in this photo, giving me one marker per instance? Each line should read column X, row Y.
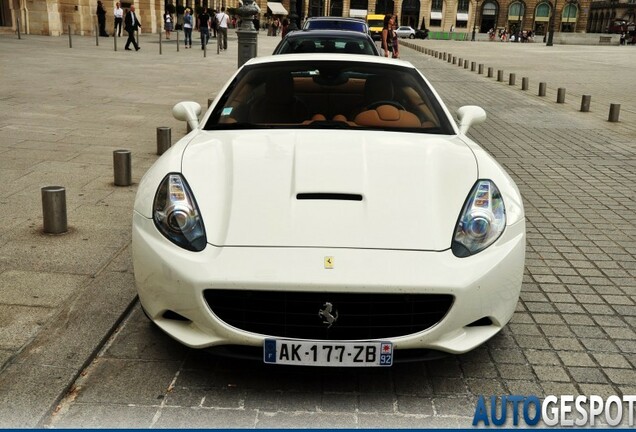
column 363, row 189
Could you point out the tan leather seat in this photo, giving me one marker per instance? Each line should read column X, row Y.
column 377, row 88
column 387, row 116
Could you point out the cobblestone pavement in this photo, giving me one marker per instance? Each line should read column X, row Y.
column 573, row 333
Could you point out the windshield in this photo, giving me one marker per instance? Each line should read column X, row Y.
column 328, row 44
column 376, row 23
column 329, row 95
column 335, row 25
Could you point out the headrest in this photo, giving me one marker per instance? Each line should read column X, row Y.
column 352, row 47
column 378, row 88
column 306, row 46
column 279, row 89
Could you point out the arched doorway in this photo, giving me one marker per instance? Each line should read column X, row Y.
column 569, row 17
column 489, row 14
column 315, row 8
column 5, row 13
column 385, row 7
column 516, row 12
column 542, row 18
column 336, row 9
column 410, row 15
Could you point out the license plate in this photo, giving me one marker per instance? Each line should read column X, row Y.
column 324, row 353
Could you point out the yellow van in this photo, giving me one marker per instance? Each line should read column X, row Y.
column 375, row 23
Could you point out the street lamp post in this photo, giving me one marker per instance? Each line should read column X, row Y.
column 475, row 21
column 551, row 25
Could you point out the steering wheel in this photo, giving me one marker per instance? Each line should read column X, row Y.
column 376, row 104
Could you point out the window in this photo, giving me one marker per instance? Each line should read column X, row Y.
column 516, row 11
column 436, row 13
column 570, row 13
column 490, row 9
column 543, row 11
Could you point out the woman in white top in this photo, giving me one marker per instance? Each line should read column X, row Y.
column 167, row 23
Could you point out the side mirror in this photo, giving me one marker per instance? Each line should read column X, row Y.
column 469, row 115
column 189, row 112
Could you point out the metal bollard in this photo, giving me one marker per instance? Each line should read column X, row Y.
column 614, row 112
column 480, row 69
column 160, row 50
column 454, row 60
column 473, row 65
column 70, row 40
column 512, row 78
column 18, row 25
column 445, row 56
column 450, row 58
column 542, row 87
column 177, row 40
column 460, row 61
column 96, row 36
column 115, row 41
column 500, row 74
column 490, row 72
column 164, row 139
column 466, row 64
column 586, row 100
column 205, row 50
column 561, row 95
column 524, row 83
column 122, row 167
column 54, row 209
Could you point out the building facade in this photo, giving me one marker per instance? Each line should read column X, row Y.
column 610, row 15
column 56, row 17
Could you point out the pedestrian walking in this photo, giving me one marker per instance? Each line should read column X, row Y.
column 222, row 20
column 119, row 18
column 131, row 24
column 204, row 27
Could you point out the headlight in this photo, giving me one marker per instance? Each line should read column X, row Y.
column 482, row 220
column 176, row 214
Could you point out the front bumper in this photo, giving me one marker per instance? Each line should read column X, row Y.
column 486, row 285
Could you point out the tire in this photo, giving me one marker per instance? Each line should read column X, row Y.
column 411, row 36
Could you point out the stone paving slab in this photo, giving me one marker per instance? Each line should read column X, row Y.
column 574, row 327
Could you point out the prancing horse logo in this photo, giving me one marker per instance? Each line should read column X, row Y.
column 325, row 314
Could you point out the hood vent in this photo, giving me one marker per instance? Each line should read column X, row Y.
column 329, row 196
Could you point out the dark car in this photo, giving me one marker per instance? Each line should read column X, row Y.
column 335, row 23
column 421, row 34
column 327, row 41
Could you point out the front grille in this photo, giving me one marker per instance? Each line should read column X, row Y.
column 296, row 314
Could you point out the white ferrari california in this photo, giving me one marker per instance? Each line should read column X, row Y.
column 328, row 210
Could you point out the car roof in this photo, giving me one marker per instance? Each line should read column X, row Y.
column 333, row 18
column 338, row 21
column 327, row 33
column 329, row 56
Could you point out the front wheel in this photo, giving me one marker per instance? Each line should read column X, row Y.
column 411, row 36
